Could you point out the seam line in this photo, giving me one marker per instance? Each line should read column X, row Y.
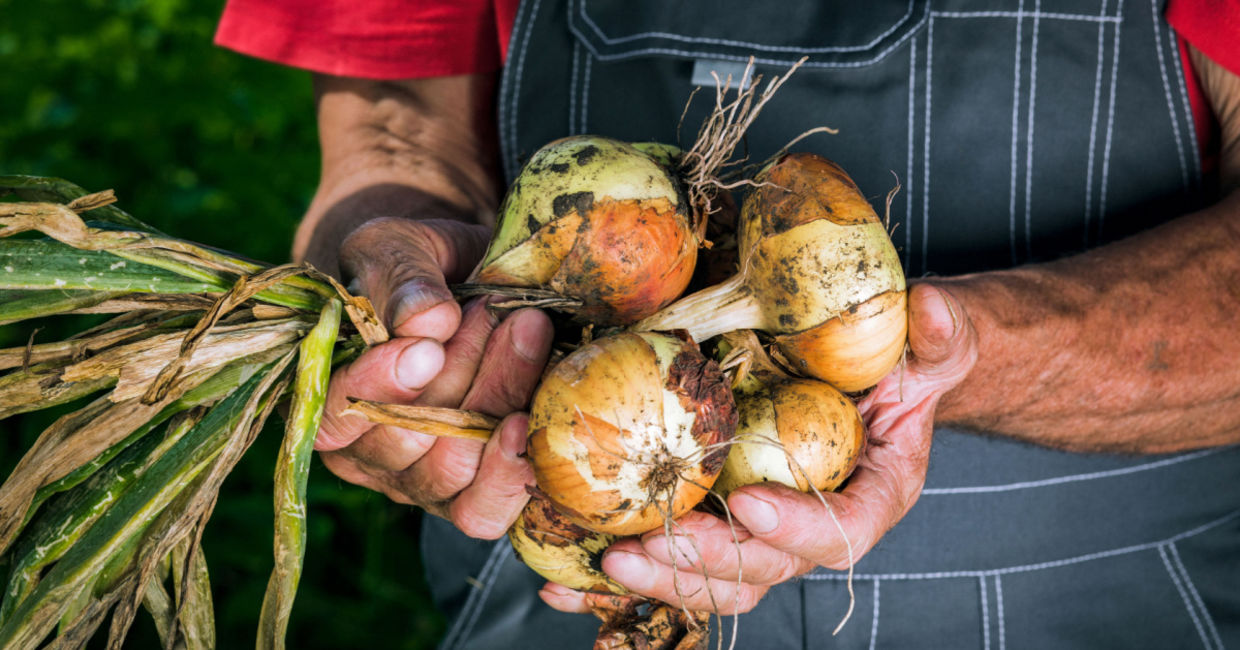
column 1192, row 591
column 1179, row 587
column 985, row 597
column 468, row 617
column 1025, row 568
column 1106, row 150
column 1072, row 478
column 610, row 40
column 1162, row 70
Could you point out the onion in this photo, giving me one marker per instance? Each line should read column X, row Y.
column 800, row 432
column 599, row 221
column 817, row 270
column 561, row 551
column 625, row 432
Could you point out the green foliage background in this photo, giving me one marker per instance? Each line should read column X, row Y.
column 210, row 146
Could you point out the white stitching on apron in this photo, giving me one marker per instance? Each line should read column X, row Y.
column 1051, row 15
column 757, row 46
column 984, row 596
column 1024, row 568
column 999, row 612
column 1088, row 476
column 585, row 95
column 572, row 91
column 912, row 111
column 1033, row 94
column 1162, row 69
column 1179, row 586
column 1093, row 132
column 874, row 618
column 468, row 617
column 510, row 160
column 925, row 185
column 1015, row 126
column 758, row 60
column 1192, row 590
column 1106, row 151
column 1195, row 158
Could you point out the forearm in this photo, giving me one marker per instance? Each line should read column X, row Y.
column 1131, row 346
column 410, row 149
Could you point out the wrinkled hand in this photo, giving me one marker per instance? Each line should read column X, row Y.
column 441, row 356
column 781, row 533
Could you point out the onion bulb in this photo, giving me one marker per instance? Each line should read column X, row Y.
column 818, row 271
column 626, row 431
column 561, row 551
column 597, row 220
column 800, row 432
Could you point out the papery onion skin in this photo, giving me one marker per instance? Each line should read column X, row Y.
column 625, row 432
column 598, row 220
column 798, row 432
column 850, row 330
column 817, row 270
column 561, row 551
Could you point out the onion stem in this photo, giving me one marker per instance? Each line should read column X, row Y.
column 725, row 307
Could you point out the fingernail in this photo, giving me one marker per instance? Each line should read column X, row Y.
column 512, row 440
column 629, row 569
column 760, row 516
column 418, row 364
column 415, row 297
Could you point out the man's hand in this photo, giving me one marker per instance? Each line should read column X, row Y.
column 441, row 357
column 781, row 533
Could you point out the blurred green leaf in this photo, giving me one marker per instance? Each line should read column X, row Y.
column 211, row 146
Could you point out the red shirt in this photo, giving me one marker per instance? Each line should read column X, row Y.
column 408, row 39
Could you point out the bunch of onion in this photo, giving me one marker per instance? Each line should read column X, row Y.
column 607, row 230
column 818, row 271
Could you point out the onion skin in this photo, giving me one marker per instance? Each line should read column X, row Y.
column 806, row 420
column 619, row 431
column 817, row 270
column 598, row 220
column 561, row 551
column 849, row 331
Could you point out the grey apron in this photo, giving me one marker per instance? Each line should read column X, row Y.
column 1021, row 131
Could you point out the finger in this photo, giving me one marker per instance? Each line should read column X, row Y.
column 462, row 355
column 396, row 371
column 491, row 503
column 564, row 599
column 514, row 361
column 401, row 265
column 505, row 379
column 878, row 494
column 707, row 545
column 628, row 564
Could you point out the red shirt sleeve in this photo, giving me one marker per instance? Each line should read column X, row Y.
column 1212, row 26
column 374, row 39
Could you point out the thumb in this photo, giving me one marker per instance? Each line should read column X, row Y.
column 938, row 328
column 403, row 267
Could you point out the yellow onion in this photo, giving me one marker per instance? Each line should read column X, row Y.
column 597, row 220
column 625, row 432
column 817, row 270
column 798, row 432
column 561, row 551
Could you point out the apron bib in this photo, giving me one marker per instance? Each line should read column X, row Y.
column 1021, row 131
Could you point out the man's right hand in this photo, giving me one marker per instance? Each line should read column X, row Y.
column 441, row 356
